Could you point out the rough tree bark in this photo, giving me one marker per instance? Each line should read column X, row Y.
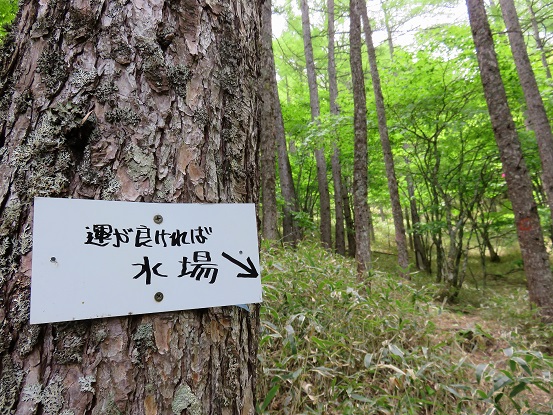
column 322, row 180
column 535, row 110
column 339, row 231
column 399, row 226
column 360, row 176
column 267, row 129
column 138, row 101
column 519, row 185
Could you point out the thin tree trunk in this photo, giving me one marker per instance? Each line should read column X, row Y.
column 409, row 228
column 360, row 179
column 126, row 101
column 519, row 185
column 535, row 111
column 372, row 233
column 397, row 213
column 350, row 226
column 440, row 255
column 339, row 232
column 322, row 180
column 421, row 257
column 332, row 80
column 290, row 229
column 538, row 40
column 494, row 257
column 389, row 39
column 324, row 199
column 267, row 129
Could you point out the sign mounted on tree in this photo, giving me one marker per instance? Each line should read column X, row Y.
column 94, row 258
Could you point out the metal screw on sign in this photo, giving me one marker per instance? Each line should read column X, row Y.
column 158, row 297
column 158, row 219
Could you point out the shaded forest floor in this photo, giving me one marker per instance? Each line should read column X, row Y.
column 331, row 344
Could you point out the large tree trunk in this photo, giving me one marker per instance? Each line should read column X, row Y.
column 360, row 177
column 535, row 109
column 137, row 101
column 399, row 226
column 267, row 129
column 322, row 180
column 519, row 185
column 339, row 232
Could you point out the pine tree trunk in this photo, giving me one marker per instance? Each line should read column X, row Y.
column 137, row 101
column 322, row 180
column 339, row 231
column 397, row 213
column 519, row 185
column 290, row 230
column 360, row 179
column 267, row 129
column 535, row 109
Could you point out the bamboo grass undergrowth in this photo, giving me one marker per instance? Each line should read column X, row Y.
column 331, row 344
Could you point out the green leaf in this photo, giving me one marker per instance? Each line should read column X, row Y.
column 395, row 350
column 508, row 351
column 423, row 368
column 501, row 382
column 523, row 364
column 480, row 369
column 453, row 392
column 481, row 394
column 360, row 398
column 396, row 369
column 270, row 395
column 367, row 360
column 297, row 373
column 517, row 389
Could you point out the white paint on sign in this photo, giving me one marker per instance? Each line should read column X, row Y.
column 95, row 258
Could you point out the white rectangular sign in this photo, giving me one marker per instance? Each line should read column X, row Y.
column 95, row 258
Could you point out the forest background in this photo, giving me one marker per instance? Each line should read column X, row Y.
column 400, row 356
column 425, row 94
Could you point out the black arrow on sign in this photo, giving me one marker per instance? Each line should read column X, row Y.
column 251, row 271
